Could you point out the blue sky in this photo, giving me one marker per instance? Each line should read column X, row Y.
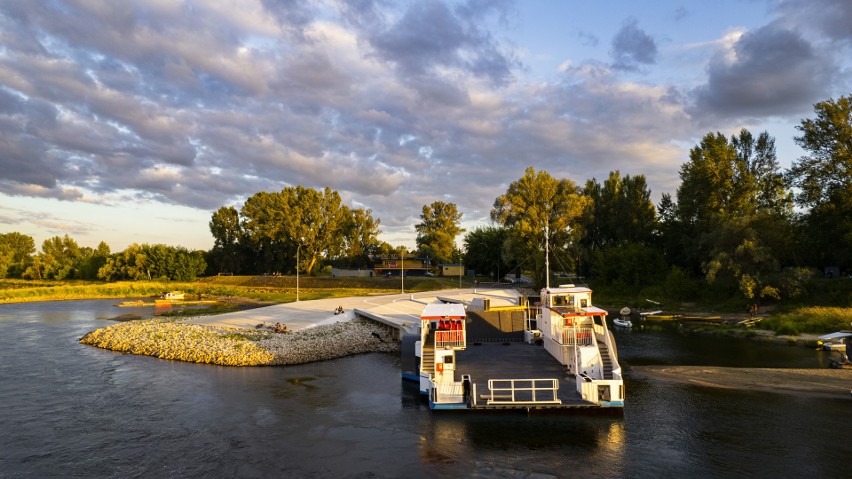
column 133, row 121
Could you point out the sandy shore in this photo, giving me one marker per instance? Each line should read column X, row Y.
column 830, row 383
column 174, row 339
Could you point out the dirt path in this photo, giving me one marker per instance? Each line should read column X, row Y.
column 830, row 383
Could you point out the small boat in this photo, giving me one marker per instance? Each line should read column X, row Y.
column 622, row 323
column 834, row 341
column 174, row 295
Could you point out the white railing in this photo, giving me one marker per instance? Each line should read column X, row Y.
column 523, row 391
column 449, row 339
column 585, row 336
column 449, row 392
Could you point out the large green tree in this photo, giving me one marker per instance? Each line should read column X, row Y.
column 360, row 237
column 16, row 252
column 620, row 226
column 295, row 220
column 733, row 211
column 483, row 251
column 228, row 253
column 533, row 205
column 824, row 181
column 438, row 229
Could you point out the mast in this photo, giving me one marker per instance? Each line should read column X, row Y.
column 547, row 255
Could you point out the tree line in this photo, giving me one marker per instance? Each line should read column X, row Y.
column 737, row 222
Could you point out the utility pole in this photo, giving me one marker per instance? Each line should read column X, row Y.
column 461, row 267
column 297, row 271
column 402, row 270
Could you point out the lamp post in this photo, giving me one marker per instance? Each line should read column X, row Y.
column 297, row 270
column 460, row 268
column 402, row 270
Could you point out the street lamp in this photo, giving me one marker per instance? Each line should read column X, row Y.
column 460, row 268
column 297, row 270
column 402, row 270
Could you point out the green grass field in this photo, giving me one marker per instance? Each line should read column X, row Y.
column 280, row 289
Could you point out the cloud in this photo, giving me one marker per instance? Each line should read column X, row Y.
column 632, row 47
column 831, row 19
column 202, row 104
column 430, row 37
column 768, row 71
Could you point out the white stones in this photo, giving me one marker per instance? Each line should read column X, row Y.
column 170, row 339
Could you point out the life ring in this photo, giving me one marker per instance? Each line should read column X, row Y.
column 440, row 367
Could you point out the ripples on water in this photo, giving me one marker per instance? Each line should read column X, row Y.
column 68, row 409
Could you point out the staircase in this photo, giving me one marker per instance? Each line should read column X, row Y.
column 605, row 358
column 427, row 361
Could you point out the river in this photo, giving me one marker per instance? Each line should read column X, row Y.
column 72, row 410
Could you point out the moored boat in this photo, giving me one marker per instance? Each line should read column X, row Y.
column 622, row 323
column 174, row 295
column 568, row 359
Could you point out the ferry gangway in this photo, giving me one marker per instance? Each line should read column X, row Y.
column 523, row 391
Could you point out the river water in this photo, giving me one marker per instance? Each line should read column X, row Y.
column 72, row 410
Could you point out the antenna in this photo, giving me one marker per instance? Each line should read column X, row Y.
column 547, row 255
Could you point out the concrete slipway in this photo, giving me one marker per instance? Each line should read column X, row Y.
column 402, row 309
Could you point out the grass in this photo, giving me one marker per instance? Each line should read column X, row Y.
column 811, row 319
column 261, row 288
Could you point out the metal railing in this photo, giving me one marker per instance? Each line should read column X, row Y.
column 449, row 392
column 585, row 336
column 449, row 339
column 523, row 391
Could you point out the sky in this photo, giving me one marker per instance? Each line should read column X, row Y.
column 133, row 121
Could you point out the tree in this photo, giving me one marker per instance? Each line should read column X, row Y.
column 139, row 262
column 621, row 211
column 824, row 179
column 436, row 234
column 483, row 251
column 825, row 175
column 276, row 224
column 360, row 242
column 92, row 260
column 732, row 217
column 535, row 203
column 724, row 180
column 227, row 254
column 16, row 251
column 620, row 221
column 60, row 258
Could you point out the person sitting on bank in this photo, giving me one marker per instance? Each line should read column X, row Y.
column 339, row 310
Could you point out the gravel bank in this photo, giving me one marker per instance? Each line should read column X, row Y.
column 172, row 339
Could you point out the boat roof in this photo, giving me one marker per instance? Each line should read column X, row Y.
column 566, row 288
column 837, row 335
column 443, row 311
column 593, row 310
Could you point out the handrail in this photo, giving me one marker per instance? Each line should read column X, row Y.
column 529, row 394
column 451, row 392
column 449, row 339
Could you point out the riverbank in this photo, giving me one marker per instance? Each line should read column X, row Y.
column 826, row 383
column 176, row 340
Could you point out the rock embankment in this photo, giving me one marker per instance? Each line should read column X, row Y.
column 172, row 339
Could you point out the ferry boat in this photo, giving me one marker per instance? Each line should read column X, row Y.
column 566, row 359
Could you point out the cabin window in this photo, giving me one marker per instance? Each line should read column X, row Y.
column 448, row 360
column 584, row 302
column 559, row 300
column 570, row 300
